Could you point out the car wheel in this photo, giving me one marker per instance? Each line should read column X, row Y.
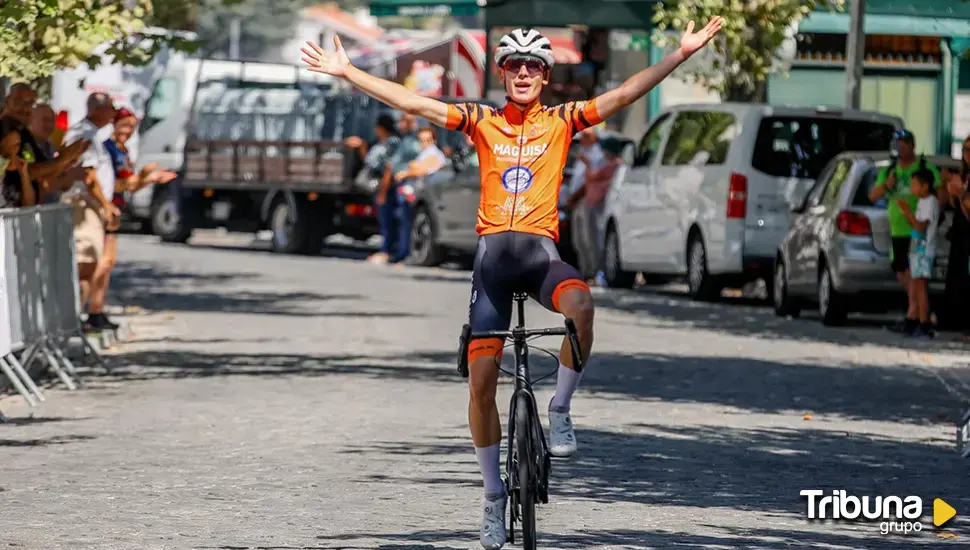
column 831, row 303
column 616, row 276
column 294, row 232
column 785, row 304
column 425, row 249
column 168, row 220
column 700, row 283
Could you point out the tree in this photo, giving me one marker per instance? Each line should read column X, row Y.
column 41, row 36
column 747, row 51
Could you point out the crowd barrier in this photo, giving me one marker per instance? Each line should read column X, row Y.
column 39, row 297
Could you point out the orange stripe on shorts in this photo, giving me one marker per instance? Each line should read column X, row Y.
column 486, row 347
column 565, row 286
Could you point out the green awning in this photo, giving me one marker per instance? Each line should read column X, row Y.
column 412, row 8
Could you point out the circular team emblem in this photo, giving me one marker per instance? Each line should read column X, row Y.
column 517, row 179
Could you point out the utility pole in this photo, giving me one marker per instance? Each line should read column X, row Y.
column 855, row 55
column 235, row 30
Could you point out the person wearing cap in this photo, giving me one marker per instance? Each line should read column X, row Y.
column 893, row 183
column 91, row 195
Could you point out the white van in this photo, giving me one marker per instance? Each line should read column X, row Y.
column 710, row 191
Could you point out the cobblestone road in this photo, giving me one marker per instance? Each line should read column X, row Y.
column 289, row 402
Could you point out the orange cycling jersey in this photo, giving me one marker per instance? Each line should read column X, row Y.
column 521, row 155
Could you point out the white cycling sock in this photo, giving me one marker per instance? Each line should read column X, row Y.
column 488, row 461
column 566, row 383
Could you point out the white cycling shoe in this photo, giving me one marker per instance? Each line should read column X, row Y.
column 493, row 524
column 562, row 439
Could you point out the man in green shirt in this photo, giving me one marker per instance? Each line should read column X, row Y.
column 893, row 186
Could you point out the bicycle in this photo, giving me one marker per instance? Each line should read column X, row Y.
column 527, row 461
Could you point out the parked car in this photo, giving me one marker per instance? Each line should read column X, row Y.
column 836, row 254
column 707, row 200
column 446, row 207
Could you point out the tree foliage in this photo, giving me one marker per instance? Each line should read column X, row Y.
column 747, row 48
column 41, row 36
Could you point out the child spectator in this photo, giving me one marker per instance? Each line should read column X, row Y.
column 922, row 245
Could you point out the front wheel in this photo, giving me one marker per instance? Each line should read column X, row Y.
column 785, row 304
column 425, row 250
column 831, row 303
column 527, row 471
column 616, row 276
column 171, row 218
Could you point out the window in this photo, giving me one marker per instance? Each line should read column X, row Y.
column 840, row 175
column 800, row 147
column 162, row 103
column 650, row 143
column 861, row 197
column 699, row 138
column 814, row 197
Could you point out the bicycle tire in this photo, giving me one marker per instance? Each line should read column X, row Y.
column 525, row 446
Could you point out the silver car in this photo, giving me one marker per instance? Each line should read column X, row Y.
column 836, row 253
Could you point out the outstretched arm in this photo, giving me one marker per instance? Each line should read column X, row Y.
column 639, row 84
column 338, row 64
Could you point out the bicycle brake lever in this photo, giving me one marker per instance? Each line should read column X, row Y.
column 573, row 336
column 463, row 341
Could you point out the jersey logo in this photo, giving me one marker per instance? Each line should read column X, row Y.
column 517, row 179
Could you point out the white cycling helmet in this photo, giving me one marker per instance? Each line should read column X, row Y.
column 525, row 42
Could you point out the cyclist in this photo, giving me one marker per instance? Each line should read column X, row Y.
column 522, row 150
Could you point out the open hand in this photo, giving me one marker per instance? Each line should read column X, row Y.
column 693, row 41
column 331, row 63
column 163, row 176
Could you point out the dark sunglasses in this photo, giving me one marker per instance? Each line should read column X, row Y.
column 533, row 66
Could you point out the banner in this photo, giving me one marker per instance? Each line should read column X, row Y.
column 5, row 332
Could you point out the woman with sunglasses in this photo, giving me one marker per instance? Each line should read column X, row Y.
column 522, row 149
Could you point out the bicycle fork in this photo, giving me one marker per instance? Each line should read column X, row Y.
column 523, row 396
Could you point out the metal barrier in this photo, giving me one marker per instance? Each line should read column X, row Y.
column 39, row 296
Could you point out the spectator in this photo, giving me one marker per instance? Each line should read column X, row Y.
column 17, row 191
column 893, row 182
column 126, row 180
column 388, row 193
column 925, row 223
column 18, row 111
column 375, row 164
column 956, row 303
column 93, row 211
column 590, row 158
column 429, row 160
column 593, row 194
column 41, row 128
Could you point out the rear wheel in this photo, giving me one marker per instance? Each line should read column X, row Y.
column 701, row 284
column 294, row 229
column 527, row 467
